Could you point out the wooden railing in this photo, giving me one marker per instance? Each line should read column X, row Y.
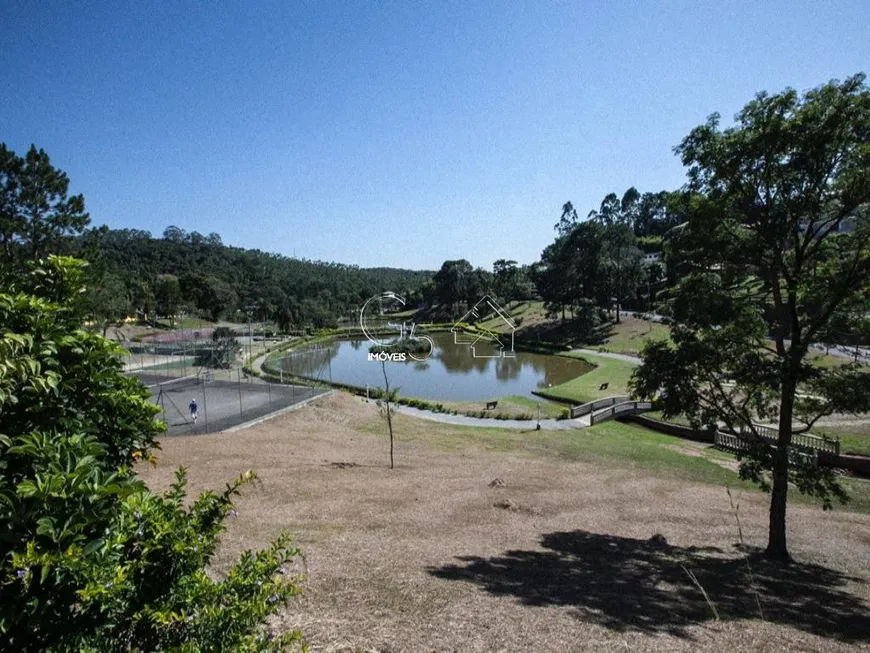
column 624, row 408
column 801, row 440
column 731, row 442
column 592, row 406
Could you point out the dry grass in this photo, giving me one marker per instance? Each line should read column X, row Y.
column 558, row 556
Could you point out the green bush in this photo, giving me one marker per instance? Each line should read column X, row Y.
column 92, row 560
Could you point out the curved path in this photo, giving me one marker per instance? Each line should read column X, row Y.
column 607, row 354
column 491, row 422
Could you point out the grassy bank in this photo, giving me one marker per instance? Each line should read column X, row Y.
column 585, row 388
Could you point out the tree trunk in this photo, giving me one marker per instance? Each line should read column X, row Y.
column 777, row 548
column 389, row 417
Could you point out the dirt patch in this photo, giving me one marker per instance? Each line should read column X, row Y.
column 418, row 559
column 696, row 450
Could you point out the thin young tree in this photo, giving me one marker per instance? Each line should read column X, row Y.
column 388, row 398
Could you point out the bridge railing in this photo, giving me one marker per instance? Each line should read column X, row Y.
column 624, row 408
column 732, row 442
column 802, row 440
column 592, row 406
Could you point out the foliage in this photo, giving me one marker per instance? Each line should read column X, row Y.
column 458, row 283
column 189, row 269
column 222, row 351
column 91, row 559
column 35, row 212
column 776, row 244
column 108, row 301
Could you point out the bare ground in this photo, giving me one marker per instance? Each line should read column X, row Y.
column 558, row 556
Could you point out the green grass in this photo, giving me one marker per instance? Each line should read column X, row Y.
column 676, row 419
column 584, row 388
column 631, row 334
column 637, row 449
column 610, row 442
column 854, row 438
column 528, row 313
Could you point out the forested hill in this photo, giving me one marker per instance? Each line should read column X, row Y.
column 134, row 272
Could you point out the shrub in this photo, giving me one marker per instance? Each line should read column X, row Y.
column 91, row 559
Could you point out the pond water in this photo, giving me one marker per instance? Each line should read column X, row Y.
column 451, row 373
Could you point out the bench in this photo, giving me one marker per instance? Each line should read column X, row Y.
column 491, row 404
column 603, row 386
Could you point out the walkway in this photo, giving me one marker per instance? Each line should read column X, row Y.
column 634, row 360
column 491, row 422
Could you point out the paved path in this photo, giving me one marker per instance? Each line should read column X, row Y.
column 521, row 424
column 607, row 354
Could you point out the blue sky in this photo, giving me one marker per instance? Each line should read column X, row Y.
column 398, row 134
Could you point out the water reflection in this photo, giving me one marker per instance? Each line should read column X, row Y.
column 452, row 373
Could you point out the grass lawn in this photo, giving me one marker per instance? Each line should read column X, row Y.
column 510, row 406
column 854, row 438
column 585, row 388
column 609, row 443
column 630, row 335
column 527, row 314
column 486, row 539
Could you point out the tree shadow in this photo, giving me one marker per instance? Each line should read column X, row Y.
column 629, row 584
column 571, row 331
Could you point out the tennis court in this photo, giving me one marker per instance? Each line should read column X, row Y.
column 222, row 404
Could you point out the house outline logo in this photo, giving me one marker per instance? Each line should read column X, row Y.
column 484, row 307
column 405, row 329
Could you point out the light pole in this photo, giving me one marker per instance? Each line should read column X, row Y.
column 248, row 310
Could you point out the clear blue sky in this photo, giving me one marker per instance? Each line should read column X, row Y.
column 398, row 134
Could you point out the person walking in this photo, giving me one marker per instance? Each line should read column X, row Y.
column 194, row 411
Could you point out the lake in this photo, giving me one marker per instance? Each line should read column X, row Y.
column 451, row 373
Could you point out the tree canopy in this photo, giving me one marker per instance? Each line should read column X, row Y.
column 776, row 244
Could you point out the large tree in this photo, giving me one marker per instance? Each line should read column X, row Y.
column 776, row 246
column 35, row 212
column 452, row 282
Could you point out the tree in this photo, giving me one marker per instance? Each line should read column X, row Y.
column 506, row 279
column 388, row 397
column 90, row 559
column 568, row 220
column 223, row 351
column 108, row 301
column 452, row 282
column 167, row 293
column 767, row 201
column 35, row 212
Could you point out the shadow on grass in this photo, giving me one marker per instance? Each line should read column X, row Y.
column 628, row 584
column 569, row 332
